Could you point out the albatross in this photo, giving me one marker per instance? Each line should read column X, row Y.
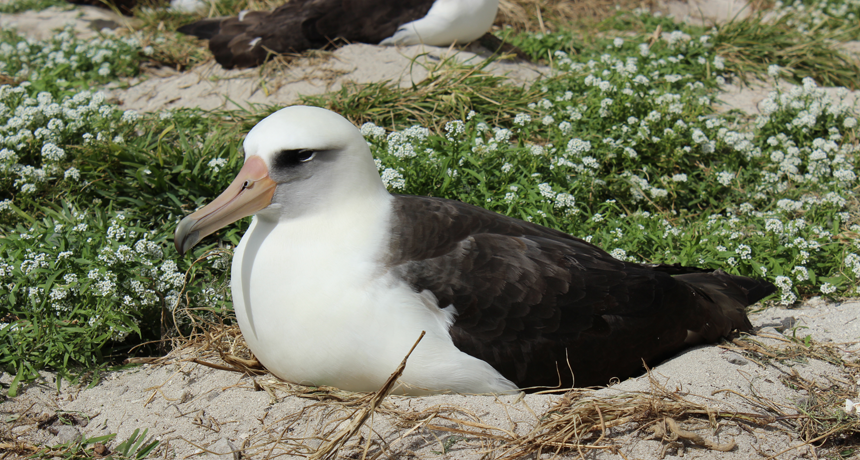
column 248, row 39
column 336, row 278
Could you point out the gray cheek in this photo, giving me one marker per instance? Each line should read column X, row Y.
column 288, row 175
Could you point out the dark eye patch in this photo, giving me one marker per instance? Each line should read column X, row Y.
column 293, row 158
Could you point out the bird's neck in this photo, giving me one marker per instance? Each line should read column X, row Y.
column 350, row 219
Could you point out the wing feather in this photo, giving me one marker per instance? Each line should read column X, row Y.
column 533, row 302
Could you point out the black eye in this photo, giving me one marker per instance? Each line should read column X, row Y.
column 293, row 158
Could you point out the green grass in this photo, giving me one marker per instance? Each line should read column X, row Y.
column 451, row 90
column 619, row 145
column 19, row 6
column 133, row 448
column 747, row 46
column 65, row 64
column 813, row 16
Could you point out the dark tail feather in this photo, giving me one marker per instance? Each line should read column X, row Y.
column 755, row 289
column 205, row 28
column 723, row 299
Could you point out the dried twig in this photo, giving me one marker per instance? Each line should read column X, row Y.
column 329, row 448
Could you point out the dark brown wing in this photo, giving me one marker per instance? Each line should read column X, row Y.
column 538, row 304
column 303, row 24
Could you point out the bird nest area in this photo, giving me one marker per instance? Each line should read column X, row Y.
column 182, row 52
column 577, row 423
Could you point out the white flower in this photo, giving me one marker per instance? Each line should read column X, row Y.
column 789, row 205
column 565, row 200
column 590, row 162
column 217, row 163
column 454, row 128
column 50, row 152
column 148, row 249
column 393, row 179
column 800, row 273
column 852, row 262
column 578, row 146
column 773, row 226
column 699, row 137
column 641, row 80
column 535, row 150
column 522, row 119
column 787, row 296
column 546, row 190
column 783, row 282
column 372, row 131
column 725, row 178
column 679, row 177
column 565, row 127
column 828, row 288
column 72, row 173
column 773, row 70
column 130, row 116
column 658, row 192
column 619, row 254
column 502, row 135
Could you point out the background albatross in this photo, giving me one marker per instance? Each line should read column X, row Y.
column 248, row 39
column 336, row 278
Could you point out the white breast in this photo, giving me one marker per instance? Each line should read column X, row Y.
column 447, row 22
column 316, row 306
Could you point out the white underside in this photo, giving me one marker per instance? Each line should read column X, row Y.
column 316, row 307
column 447, row 22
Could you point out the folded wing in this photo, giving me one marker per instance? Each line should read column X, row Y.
column 250, row 38
column 545, row 308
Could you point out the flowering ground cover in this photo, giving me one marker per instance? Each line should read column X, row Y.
column 621, row 146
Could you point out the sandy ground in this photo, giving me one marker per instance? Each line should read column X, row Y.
column 193, row 409
column 209, row 86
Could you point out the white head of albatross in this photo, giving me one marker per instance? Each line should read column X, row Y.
column 335, row 279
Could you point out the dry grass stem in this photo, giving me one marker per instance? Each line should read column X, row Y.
column 534, row 15
column 330, row 447
column 451, row 89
